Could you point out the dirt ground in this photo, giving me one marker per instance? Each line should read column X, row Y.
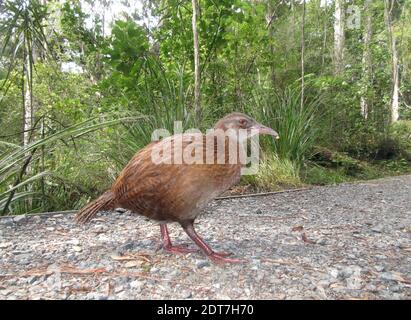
column 336, row 242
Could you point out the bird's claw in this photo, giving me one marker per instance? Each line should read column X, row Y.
column 223, row 253
column 177, row 249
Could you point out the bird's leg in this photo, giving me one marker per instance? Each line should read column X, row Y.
column 214, row 256
column 167, row 245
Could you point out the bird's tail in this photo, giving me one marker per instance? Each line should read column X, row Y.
column 104, row 202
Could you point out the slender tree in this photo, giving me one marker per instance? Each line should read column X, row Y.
column 23, row 26
column 366, row 58
column 197, row 75
column 388, row 7
column 302, row 55
column 339, row 36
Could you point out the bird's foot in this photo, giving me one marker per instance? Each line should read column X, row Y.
column 177, row 249
column 223, row 253
column 221, row 257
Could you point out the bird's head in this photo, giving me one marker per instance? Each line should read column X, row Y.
column 237, row 121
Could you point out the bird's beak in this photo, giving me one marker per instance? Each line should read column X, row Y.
column 265, row 130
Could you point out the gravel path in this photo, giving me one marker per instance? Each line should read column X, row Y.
column 340, row 242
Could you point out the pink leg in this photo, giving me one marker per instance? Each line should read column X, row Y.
column 214, row 256
column 168, row 246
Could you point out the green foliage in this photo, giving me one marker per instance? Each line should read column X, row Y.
column 45, row 183
column 318, row 175
column 401, row 133
column 250, row 58
column 273, row 174
column 298, row 126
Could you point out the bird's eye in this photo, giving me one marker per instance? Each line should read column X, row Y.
column 243, row 122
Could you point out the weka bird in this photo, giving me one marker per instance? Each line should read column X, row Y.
column 170, row 192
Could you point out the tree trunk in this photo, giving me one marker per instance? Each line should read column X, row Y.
column 27, row 103
column 302, row 55
column 366, row 59
column 269, row 19
column 324, row 44
column 339, row 37
column 388, row 6
column 197, row 75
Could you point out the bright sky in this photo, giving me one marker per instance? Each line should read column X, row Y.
column 112, row 11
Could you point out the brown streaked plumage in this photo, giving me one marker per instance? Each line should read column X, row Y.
column 169, row 192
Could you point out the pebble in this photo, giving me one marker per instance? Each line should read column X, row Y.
column 5, row 245
column 154, row 270
column 136, row 284
column 354, row 283
column 334, row 273
column 20, row 218
column 202, row 263
column 77, row 248
column 36, row 219
column 378, row 228
column 379, row 268
column 32, row 280
column 132, row 264
column 8, row 222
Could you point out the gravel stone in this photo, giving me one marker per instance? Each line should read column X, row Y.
column 20, row 218
column 202, row 263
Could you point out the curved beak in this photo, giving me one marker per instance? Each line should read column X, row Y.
column 265, row 130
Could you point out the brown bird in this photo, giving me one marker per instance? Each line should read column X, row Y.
column 171, row 191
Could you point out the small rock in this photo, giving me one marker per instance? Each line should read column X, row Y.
column 19, row 218
column 322, row 241
column 379, row 268
column 100, row 229
column 154, row 270
column 378, row 228
column 5, row 245
column 7, row 221
column 36, row 219
column 174, row 273
column 334, row 273
column 259, row 211
column 96, row 296
column 136, row 284
column 202, row 263
column 349, row 271
column 50, row 229
column 187, row 295
column 126, row 247
column 77, row 248
column 32, row 280
column 354, row 283
column 124, row 295
column 132, row 264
